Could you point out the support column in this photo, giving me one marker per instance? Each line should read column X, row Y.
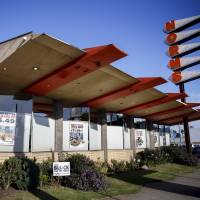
column 185, row 123
column 58, row 114
column 104, row 145
column 151, row 135
column 132, row 134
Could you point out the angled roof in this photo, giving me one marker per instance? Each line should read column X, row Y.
column 79, row 77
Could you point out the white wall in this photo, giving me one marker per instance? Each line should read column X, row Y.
column 127, row 144
column 148, row 139
column 43, row 133
column 95, row 136
column 115, row 137
column 161, row 141
column 167, row 135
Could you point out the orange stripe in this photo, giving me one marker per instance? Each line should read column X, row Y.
column 169, row 97
column 143, row 84
column 93, row 59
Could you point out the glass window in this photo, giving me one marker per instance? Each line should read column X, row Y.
column 139, row 123
column 155, row 127
column 76, row 113
column 8, row 103
column 115, row 119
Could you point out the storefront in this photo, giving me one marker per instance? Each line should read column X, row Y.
column 58, row 98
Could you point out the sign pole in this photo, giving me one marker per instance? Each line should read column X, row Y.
column 185, row 122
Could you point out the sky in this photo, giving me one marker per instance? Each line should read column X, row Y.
column 135, row 26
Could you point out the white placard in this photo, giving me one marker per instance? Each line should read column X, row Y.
column 61, row 168
column 140, row 138
column 7, row 128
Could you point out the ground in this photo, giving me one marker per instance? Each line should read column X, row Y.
column 155, row 181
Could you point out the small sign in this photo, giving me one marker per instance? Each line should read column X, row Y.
column 61, row 168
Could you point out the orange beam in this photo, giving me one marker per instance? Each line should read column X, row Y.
column 177, row 117
column 169, row 97
column 93, row 59
column 143, row 84
column 165, row 112
column 178, row 120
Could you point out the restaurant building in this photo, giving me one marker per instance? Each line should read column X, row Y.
column 58, row 98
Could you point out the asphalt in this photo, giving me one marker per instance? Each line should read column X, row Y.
column 184, row 187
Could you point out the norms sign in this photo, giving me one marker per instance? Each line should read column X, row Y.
column 61, row 168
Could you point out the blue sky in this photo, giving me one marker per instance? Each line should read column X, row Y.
column 133, row 25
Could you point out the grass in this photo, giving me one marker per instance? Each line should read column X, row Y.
column 125, row 183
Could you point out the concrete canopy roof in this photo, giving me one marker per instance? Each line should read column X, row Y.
column 40, row 65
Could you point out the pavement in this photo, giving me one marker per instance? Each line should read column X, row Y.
column 183, row 187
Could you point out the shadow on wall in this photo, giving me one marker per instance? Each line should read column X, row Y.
column 19, row 135
column 41, row 119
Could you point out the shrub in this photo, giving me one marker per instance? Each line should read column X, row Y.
column 165, row 154
column 46, row 172
column 84, row 175
column 118, row 166
column 21, row 173
column 134, row 164
column 101, row 167
column 152, row 157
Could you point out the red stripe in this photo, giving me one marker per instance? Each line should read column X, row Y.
column 93, row 59
column 143, row 84
column 169, row 97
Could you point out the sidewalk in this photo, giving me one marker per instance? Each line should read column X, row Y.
column 184, row 187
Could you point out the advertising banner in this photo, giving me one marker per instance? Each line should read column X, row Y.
column 77, row 133
column 7, row 127
column 140, row 138
column 156, row 139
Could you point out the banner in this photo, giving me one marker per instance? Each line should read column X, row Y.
column 140, row 138
column 156, row 139
column 77, row 131
column 7, row 128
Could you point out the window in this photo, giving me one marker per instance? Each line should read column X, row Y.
column 76, row 113
column 139, row 123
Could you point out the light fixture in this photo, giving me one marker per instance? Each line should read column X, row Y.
column 35, row 68
column 4, row 69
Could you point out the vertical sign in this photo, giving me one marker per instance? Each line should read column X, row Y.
column 77, row 133
column 140, row 138
column 156, row 139
column 7, row 128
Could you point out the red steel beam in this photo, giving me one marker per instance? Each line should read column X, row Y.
column 177, row 117
column 143, row 84
column 93, row 59
column 191, row 117
column 167, row 98
column 179, row 108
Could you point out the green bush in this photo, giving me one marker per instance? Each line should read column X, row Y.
column 21, row 173
column 165, row 154
column 101, row 167
column 46, row 173
column 84, row 175
column 118, row 166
